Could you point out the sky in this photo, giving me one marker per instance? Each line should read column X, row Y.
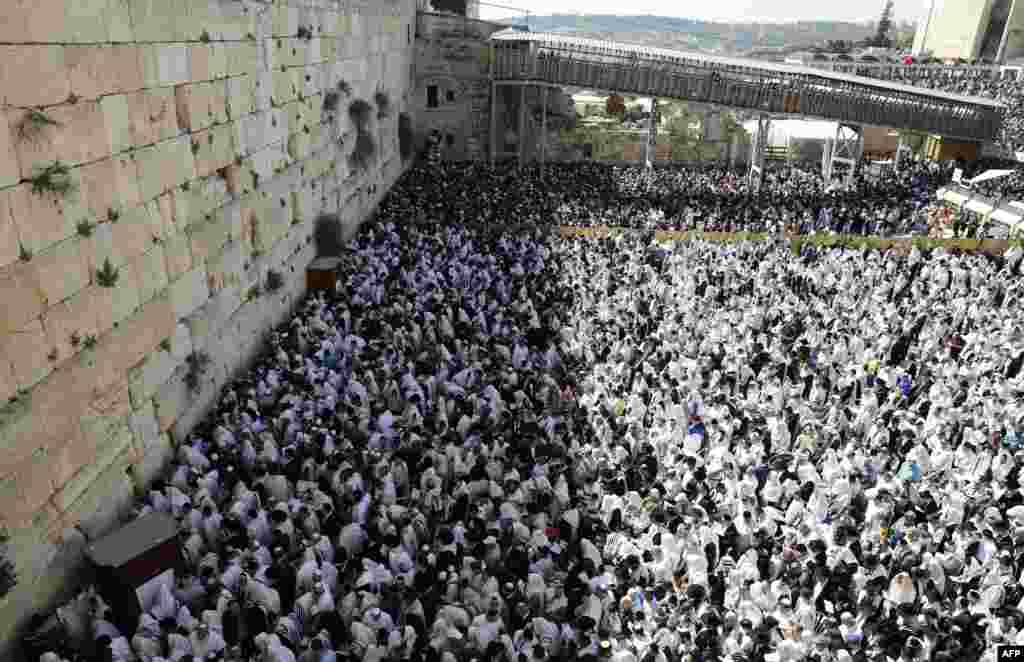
column 731, row 10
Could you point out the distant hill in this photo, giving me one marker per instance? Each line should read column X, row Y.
column 693, row 34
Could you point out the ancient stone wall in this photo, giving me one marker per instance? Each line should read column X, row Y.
column 161, row 165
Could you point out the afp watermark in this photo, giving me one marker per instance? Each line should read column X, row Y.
column 1010, row 653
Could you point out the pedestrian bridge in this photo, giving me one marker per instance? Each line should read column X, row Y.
column 773, row 90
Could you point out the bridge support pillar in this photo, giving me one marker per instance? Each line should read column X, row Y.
column 758, row 146
column 847, row 149
column 494, row 122
column 651, row 149
column 522, row 124
column 543, row 129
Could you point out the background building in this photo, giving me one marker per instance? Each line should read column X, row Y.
column 971, row 29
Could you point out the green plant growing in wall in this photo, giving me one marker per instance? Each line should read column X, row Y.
column 89, row 342
column 34, row 123
column 107, row 275
column 165, row 344
column 254, row 293
column 204, row 37
column 275, row 280
column 113, row 215
column 85, row 228
column 24, row 254
column 198, row 364
column 383, row 102
column 54, row 178
column 345, row 88
column 305, row 32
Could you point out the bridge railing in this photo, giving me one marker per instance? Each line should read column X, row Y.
column 786, row 91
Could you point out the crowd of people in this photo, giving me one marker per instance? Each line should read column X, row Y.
column 495, row 444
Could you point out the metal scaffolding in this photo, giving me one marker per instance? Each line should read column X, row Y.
column 767, row 88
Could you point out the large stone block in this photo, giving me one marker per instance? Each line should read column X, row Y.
column 86, row 22
column 33, row 21
column 146, row 378
column 113, row 305
column 100, row 189
column 33, row 75
column 25, row 490
column 9, row 241
column 207, row 237
column 165, row 65
column 138, row 335
column 151, row 116
column 98, row 70
column 43, row 219
column 178, row 255
column 200, row 105
column 165, row 166
column 241, row 96
column 117, row 119
column 189, row 292
column 28, row 351
column 78, row 465
column 286, row 87
column 242, row 57
column 58, row 271
column 21, row 296
column 213, row 149
column 107, row 502
column 69, row 323
column 132, row 234
column 149, row 272
column 9, row 171
column 157, row 21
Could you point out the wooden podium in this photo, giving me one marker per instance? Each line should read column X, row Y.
column 322, row 274
column 132, row 562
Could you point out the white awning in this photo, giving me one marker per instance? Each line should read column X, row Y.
column 954, row 197
column 990, row 174
column 1004, row 216
column 978, row 207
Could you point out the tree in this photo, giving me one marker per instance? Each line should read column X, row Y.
column 884, row 25
column 615, row 106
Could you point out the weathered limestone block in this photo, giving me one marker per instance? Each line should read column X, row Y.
column 155, row 20
column 25, row 489
column 286, row 87
column 107, row 502
column 113, row 305
column 149, row 272
column 178, row 255
column 213, row 149
column 189, row 292
column 32, row 75
column 131, row 235
column 27, row 350
column 165, row 166
column 33, row 21
column 9, row 172
column 58, row 271
column 165, row 65
column 241, row 96
column 207, row 237
column 68, row 323
column 146, row 378
column 242, row 57
column 106, row 441
column 8, row 230
column 98, row 70
column 200, row 105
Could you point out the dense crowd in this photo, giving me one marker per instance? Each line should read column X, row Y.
column 495, row 444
